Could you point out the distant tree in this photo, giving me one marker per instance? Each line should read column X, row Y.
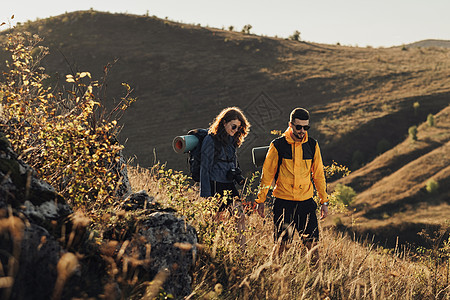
column 432, row 186
column 246, row 29
column 412, row 132
column 231, row 28
column 430, row 120
column 345, row 194
column 357, row 159
column 383, row 145
column 295, row 36
column 416, row 106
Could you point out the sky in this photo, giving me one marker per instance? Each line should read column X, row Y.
column 376, row 23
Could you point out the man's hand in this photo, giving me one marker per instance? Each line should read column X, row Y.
column 260, row 209
column 323, row 211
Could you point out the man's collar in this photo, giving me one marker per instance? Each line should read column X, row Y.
column 288, row 135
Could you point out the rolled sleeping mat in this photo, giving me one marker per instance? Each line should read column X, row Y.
column 184, row 143
column 259, row 155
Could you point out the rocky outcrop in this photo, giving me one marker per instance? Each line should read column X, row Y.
column 47, row 251
column 174, row 245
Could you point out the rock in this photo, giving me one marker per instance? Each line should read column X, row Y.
column 39, row 255
column 37, row 227
column 139, row 200
column 173, row 246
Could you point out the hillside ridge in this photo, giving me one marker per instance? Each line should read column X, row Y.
column 429, row 43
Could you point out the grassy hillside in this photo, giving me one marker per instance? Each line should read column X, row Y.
column 343, row 268
column 392, row 193
column 362, row 100
column 183, row 75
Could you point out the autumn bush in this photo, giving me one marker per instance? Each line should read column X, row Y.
column 67, row 136
column 430, row 120
column 345, row 194
column 412, row 132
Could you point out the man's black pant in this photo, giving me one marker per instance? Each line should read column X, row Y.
column 295, row 215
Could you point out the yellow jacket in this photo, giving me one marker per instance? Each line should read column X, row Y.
column 295, row 172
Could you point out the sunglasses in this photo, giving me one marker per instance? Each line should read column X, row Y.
column 299, row 127
column 234, row 126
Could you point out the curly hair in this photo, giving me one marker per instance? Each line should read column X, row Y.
column 228, row 114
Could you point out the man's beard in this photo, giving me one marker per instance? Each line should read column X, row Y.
column 297, row 136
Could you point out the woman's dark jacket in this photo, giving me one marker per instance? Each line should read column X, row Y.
column 216, row 161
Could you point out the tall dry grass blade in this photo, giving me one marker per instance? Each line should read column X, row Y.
column 373, row 282
column 6, row 282
column 67, row 265
column 154, row 286
column 216, row 242
column 255, row 275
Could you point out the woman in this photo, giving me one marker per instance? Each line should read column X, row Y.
column 219, row 168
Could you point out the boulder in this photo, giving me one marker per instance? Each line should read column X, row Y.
column 173, row 247
column 39, row 237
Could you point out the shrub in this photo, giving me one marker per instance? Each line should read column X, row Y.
column 345, row 194
column 246, row 29
column 295, row 36
column 383, row 145
column 432, row 186
column 357, row 159
column 231, row 28
column 430, row 120
column 335, row 171
column 416, row 106
column 67, row 138
column 412, row 132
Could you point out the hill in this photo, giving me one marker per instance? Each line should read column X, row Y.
column 429, row 43
column 362, row 100
column 171, row 66
column 392, row 198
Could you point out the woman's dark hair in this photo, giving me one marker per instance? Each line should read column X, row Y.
column 299, row 113
column 228, row 114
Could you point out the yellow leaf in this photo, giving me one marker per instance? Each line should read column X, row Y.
column 84, row 74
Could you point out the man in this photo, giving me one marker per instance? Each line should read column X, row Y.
column 291, row 161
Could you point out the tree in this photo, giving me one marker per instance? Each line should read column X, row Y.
column 246, row 29
column 295, row 36
column 430, row 120
column 345, row 194
column 412, row 131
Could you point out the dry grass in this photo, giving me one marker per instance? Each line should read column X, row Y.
column 345, row 269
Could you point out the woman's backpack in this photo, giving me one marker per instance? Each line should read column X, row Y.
column 195, row 155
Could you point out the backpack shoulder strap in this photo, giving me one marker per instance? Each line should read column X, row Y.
column 312, row 144
column 217, row 148
column 279, row 143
